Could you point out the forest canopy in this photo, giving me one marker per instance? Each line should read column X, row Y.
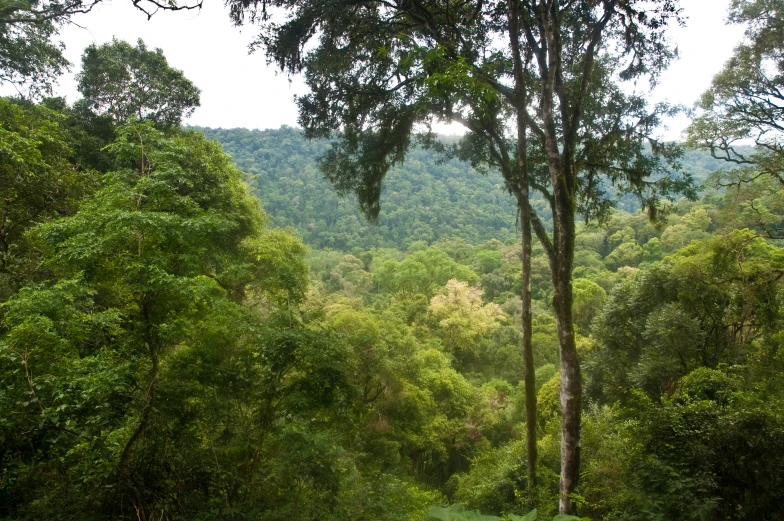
column 200, row 323
column 425, row 198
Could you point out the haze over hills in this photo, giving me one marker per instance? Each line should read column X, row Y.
column 424, row 199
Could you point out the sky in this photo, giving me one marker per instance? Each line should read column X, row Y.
column 240, row 90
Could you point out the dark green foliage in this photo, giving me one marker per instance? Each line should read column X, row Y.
column 424, row 198
column 711, row 451
column 457, row 512
column 38, row 183
column 29, row 59
column 164, row 354
column 132, row 82
column 161, row 305
column 711, row 304
column 122, row 373
column 691, row 348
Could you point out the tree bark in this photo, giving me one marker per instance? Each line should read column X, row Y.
column 524, row 206
column 571, row 379
column 529, row 373
column 563, row 179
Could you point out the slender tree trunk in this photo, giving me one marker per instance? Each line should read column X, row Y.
column 528, row 356
column 524, row 206
column 529, row 373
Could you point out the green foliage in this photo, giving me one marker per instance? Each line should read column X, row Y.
column 377, row 388
column 548, row 399
column 279, row 267
column 425, row 198
column 712, row 303
column 29, row 59
column 458, row 513
column 422, row 272
column 744, row 104
column 37, row 181
column 132, row 82
column 750, row 199
column 689, row 348
column 706, row 384
column 684, row 468
column 530, row 516
column 589, row 299
column 164, row 354
column 138, row 369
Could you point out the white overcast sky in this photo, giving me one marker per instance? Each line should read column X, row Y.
column 240, row 90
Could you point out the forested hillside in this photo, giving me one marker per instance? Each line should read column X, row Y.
column 425, row 198
column 163, row 351
column 194, row 327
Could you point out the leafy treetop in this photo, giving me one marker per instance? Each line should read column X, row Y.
column 134, row 82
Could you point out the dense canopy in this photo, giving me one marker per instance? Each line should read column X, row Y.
column 195, row 325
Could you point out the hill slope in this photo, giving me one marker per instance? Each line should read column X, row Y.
column 423, row 199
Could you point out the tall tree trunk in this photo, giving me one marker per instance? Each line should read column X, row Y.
column 528, row 356
column 571, row 379
column 529, row 373
column 524, row 206
column 563, row 180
